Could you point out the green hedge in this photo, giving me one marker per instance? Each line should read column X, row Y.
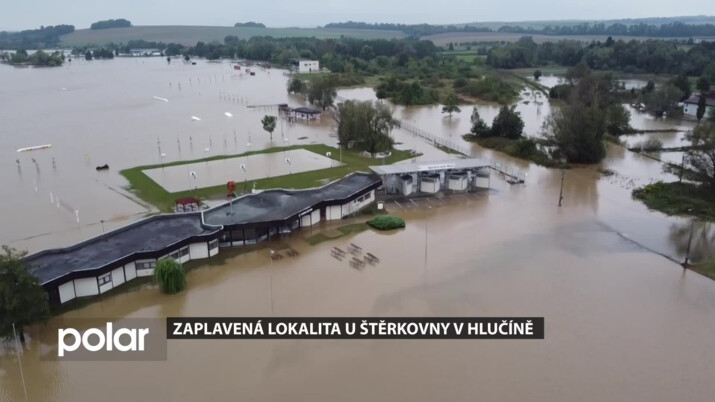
column 387, row 222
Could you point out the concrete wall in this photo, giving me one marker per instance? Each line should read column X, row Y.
column 457, row 183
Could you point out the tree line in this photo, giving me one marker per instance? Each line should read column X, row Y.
column 650, row 56
column 44, row 37
column 665, row 30
column 106, row 24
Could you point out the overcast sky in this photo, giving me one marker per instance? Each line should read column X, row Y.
column 26, row 14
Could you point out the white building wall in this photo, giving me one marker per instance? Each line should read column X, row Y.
column 106, row 286
column 86, row 286
column 66, row 291
column 118, row 276
column 315, row 216
column 308, row 66
column 145, row 271
column 213, row 248
column 130, row 271
column 198, row 250
column 429, row 186
column 333, row 212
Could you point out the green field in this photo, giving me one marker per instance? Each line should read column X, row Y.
column 151, row 192
column 443, row 39
column 189, row 35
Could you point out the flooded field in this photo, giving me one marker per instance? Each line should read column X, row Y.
column 623, row 320
column 217, row 172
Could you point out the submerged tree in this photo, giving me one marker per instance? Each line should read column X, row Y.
column 537, row 74
column 269, row 124
column 296, row 86
column 507, row 123
column 701, row 157
column 450, row 104
column 579, row 126
column 170, row 275
column 366, row 125
column 23, row 302
column 479, row 127
column 321, row 91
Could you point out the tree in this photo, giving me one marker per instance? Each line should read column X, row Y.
column 88, row 55
column 366, row 125
column 577, row 129
column 508, row 123
column 22, row 299
column 170, row 275
column 701, row 157
column 682, row 83
column 321, row 91
column 187, row 58
column 296, row 86
column 618, row 120
column 663, row 100
column 702, row 105
column 269, row 124
column 537, row 74
column 450, row 104
column 703, row 85
column 380, row 94
column 479, row 127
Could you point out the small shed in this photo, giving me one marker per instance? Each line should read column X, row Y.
column 305, row 113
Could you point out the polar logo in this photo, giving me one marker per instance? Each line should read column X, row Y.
column 95, row 340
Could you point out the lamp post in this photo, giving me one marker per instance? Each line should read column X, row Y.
column 686, row 264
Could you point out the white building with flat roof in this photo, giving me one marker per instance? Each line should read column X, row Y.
column 306, row 66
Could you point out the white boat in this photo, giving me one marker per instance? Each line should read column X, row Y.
column 35, row 148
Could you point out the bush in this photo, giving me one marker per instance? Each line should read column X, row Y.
column 649, row 145
column 387, row 222
column 170, row 275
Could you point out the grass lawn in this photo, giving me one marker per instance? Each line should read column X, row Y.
column 151, row 192
column 678, row 199
column 706, row 268
column 338, row 233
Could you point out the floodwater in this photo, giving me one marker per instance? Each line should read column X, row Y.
column 217, row 172
column 623, row 320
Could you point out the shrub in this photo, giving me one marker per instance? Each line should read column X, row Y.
column 170, row 275
column 649, row 145
column 387, row 222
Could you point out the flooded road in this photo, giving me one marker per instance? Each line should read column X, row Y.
column 623, row 320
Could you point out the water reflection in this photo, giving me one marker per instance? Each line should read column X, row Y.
column 700, row 235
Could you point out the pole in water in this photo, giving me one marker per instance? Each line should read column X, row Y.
column 690, row 240
column 19, row 360
column 561, row 193
column 76, row 214
column 682, row 166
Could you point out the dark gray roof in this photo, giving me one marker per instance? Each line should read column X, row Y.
column 151, row 234
column 709, row 99
column 274, row 205
column 306, row 110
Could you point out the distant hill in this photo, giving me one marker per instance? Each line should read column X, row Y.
column 691, row 20
column 188, row 35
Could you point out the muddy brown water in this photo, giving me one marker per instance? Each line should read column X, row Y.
column 623, row 320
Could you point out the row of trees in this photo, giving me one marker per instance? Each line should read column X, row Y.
column 45, row 37
column 39, row 58
column 106, row 24
column 650, row 56
column 669, row 29
column 365, row 126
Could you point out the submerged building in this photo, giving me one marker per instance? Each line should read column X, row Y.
column 107, row 261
